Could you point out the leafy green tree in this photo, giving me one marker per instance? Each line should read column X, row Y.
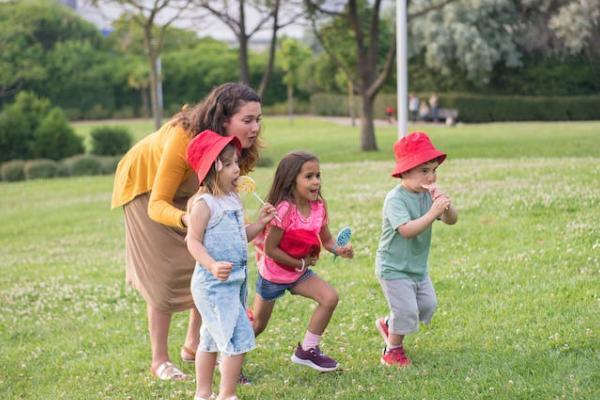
column 28, row 29
column 147, row 16
column 293, row 54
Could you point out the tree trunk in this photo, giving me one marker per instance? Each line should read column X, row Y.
column 243, row 57
column 156, row 111
column 145, row 104
column 351, row 103
column 290, row 95
column 367, row 127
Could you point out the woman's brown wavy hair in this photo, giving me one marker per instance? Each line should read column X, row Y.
column 216, row 109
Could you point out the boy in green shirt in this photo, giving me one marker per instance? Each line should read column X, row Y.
column 409, row 211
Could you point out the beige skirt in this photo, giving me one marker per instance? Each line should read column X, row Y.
column 159, row 265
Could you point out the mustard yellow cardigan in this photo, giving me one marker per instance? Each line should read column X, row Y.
column 156, row 164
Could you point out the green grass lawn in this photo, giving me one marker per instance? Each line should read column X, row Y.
column 517, row 278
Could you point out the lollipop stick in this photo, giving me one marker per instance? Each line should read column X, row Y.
column 263, row 203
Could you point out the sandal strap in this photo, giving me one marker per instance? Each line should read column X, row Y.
column 168, row 371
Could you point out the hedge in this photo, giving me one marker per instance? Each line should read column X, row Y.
column 478, row 108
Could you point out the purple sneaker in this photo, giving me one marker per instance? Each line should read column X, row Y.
column 314, row 358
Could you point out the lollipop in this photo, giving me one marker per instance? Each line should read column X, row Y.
column 343, row 238
column 246, row 184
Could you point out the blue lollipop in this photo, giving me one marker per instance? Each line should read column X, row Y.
column 343, row 238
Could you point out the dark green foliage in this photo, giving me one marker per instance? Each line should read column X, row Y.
column 479, row 108
column 55, row 139
column 31, row 128
column 41, row 168
column 110, row 140
column 18, row 124
column 13, row 170
column 84, row 164
column 264, row 162
column 109, row 164
column 473, row 108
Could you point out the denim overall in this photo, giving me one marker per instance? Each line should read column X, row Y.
column 225, row 326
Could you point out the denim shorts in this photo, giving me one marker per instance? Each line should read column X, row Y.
column 271, row 291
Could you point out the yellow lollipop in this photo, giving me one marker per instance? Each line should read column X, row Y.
column 245, row 184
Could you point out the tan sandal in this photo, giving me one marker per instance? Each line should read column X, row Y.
column 187, row 355
column 167, row 371
column 212, row 397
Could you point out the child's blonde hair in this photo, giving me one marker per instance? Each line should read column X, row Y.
column 210, row 184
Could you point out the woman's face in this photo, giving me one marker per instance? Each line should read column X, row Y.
column 245, row 124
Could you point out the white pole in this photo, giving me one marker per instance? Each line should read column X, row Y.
column 402, row 67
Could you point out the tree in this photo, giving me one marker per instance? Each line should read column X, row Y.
column 269, row 11
column 28, row 31
column 146, row 14
column 293, row 54
column 370, row 70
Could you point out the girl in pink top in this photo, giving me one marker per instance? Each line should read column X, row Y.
column 291, row 246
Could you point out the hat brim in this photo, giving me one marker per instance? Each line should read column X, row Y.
column 209, row 158
column 417, row 159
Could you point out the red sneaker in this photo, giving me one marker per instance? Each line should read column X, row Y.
column 383, row 328
column 395, row 357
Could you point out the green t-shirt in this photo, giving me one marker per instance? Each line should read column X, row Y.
column 397, row 257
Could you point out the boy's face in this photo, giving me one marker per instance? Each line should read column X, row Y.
column 424, row 174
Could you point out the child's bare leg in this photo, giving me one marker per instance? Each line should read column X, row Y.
column 325, row 295
column 205, row 368
column 262, row 313
column 395, row 340
column 231, row 366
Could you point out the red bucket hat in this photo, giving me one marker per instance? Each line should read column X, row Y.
column 414, row 150
column 203, row 150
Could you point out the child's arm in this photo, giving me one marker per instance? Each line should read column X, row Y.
column 266, row 214
column 195, row 236
column 413, row 228
column 450, row 215
column 273, row 251
column 330, row 244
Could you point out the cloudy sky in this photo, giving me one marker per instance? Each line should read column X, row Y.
column 207, row 26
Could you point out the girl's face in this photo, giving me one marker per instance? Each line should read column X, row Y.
column 424, row 174
column 245, row 124
column 229, row 174
column 308, row 182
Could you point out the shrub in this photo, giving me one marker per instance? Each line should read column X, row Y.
column 41, row 168
column 110, row 140
column 55, row 139
column 83, row 164
column 109, row 164
column 300, row 107
column 479, row 108
column 13, row 170
column 18, row 122
column 264, row 162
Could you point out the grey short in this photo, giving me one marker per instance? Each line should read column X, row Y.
column 410, row 302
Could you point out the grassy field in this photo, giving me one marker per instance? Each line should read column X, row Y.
column 517, row 278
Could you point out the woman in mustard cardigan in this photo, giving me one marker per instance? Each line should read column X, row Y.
column 153, row 183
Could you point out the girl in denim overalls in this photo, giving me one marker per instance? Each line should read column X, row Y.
column 217, row 238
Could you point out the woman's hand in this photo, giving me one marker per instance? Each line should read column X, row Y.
column 221, row 270
column 266, row 214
